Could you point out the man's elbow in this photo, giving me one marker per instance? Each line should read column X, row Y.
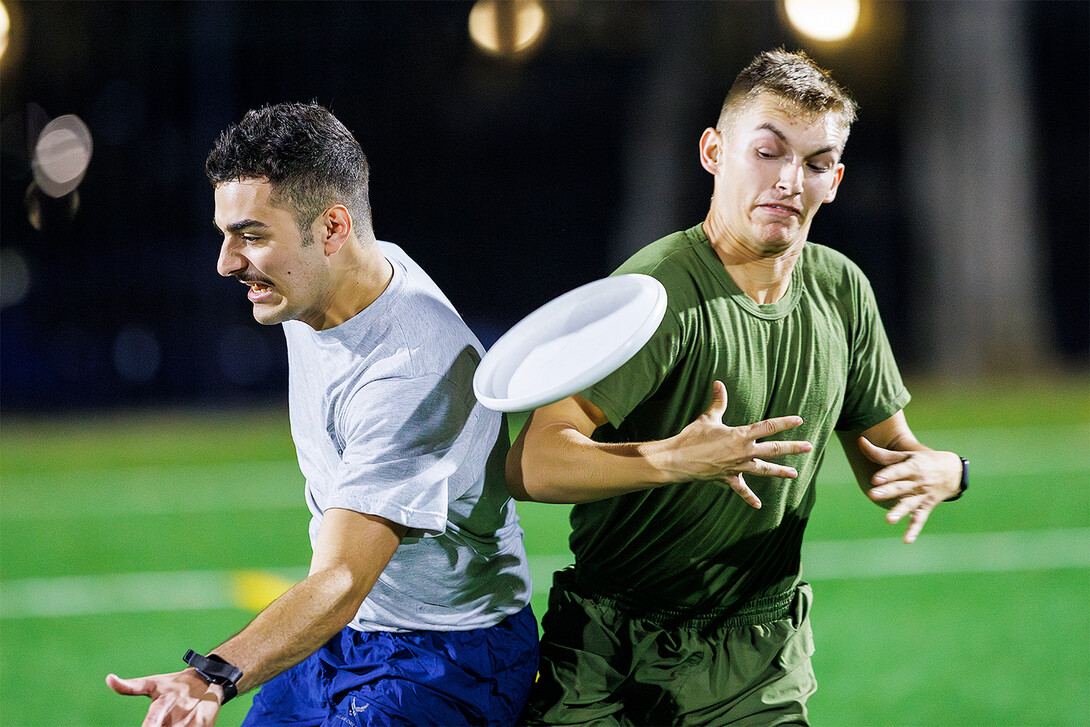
column 536, row 467
column 517, row 490
column 527, row 482
column 517, row 485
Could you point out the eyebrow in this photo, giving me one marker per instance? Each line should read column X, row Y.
column 242, row 226
column 767, row 126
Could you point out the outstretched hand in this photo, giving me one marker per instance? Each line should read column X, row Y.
column 915, row 480
column 181, row 699
column 709, row 450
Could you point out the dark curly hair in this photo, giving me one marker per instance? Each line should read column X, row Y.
column 795, row 78
column 311, row 160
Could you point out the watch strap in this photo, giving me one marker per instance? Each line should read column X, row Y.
column 964, row 480
column 216, row 671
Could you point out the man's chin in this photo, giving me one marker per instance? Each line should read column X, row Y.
column 784, row 237
column 777, row 246
column 268, row 316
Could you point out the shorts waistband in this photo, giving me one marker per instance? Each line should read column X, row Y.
column 755, row 612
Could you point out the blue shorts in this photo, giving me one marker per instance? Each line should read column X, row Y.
column 415, row 679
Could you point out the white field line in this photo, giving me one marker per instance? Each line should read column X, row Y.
column 124, row 593
column 278, row 485
column 822, row 560
column 951, row 553
column 152, row 490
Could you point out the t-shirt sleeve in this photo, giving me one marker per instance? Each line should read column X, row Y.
column 618, row 394
column 400, row 447
column 874, row 390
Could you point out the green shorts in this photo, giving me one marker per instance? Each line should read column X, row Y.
column 600, row 666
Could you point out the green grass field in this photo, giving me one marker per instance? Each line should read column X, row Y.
column 127, row 539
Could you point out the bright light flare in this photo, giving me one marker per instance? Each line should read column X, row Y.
column 823, row 20
column 61, row 155
column 5, row 27
column 508, row 28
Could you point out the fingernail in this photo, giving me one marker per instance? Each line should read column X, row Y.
column 879, row 480
column 878, row 492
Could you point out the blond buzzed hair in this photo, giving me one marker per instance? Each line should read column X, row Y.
column 795, row 79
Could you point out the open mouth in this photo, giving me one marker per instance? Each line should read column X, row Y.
column 258, row 292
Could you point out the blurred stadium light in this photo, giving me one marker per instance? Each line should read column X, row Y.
column 507, row 28
column 5, row 26
column 823, row 20
column 61, row 155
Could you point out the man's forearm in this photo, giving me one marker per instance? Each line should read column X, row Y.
column 554, row 459
column 293, row 627
column 351, row 551
column 563, row 466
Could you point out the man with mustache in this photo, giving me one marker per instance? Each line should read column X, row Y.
column 416, row 609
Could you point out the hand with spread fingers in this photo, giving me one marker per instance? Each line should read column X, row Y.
column 911, row 482
column 709, row 450
column 180, row 699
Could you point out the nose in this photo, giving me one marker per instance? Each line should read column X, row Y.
column 230, row 261
column 791, row 176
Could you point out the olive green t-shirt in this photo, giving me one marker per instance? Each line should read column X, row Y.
column 820, row 353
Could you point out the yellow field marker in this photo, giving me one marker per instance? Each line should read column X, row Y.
column 254, row 590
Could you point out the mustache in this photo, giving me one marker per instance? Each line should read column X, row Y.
column 247, row 278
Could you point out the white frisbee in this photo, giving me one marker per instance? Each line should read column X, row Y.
column 570, row 343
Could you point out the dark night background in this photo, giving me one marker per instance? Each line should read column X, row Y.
column 510, row 182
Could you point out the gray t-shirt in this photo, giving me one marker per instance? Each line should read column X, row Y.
column 385, row 423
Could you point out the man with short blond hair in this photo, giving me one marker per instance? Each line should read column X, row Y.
column 692, row 467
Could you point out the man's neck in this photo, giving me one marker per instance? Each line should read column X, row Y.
column 764, row 277
column 362, row 277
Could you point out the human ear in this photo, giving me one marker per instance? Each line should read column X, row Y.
column 838, row 174
column 711, row 146
column 336, row 228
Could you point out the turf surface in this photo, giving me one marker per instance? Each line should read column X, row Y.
column 996, row 642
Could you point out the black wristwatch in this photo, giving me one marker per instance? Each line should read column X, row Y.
column 964, row 480
column 216, row 671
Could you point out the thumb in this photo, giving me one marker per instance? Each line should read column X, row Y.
column 877, row 454
column 127, row 686
column 718, row 407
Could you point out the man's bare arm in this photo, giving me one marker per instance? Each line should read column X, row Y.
column 554, row 458
column 351, row 551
